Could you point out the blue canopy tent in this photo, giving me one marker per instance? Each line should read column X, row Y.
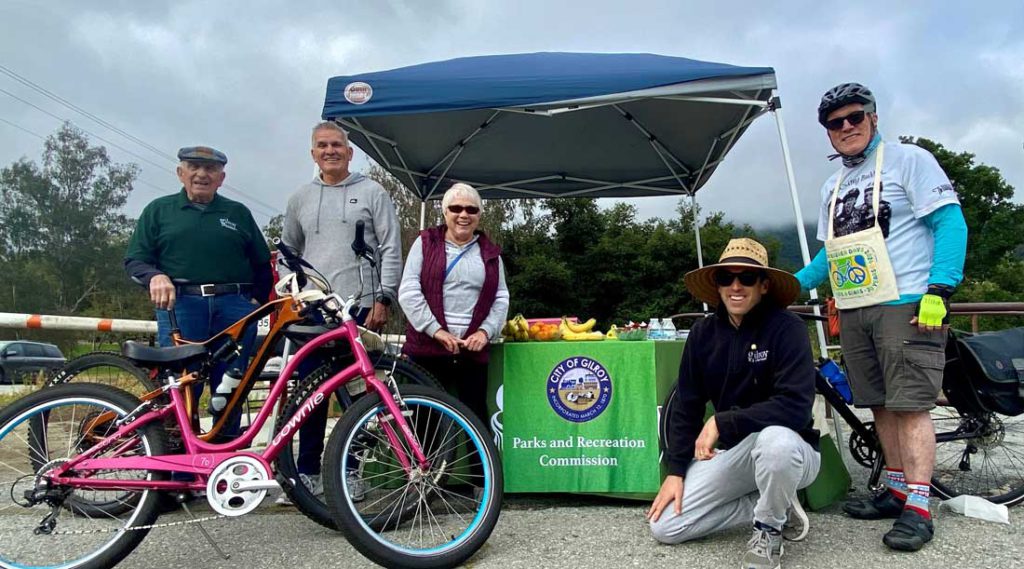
column 557, row 124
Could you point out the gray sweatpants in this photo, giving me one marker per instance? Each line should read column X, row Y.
column 755, row 480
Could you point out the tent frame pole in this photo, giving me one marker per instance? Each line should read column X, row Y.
column 776, row 109
column 696, row 233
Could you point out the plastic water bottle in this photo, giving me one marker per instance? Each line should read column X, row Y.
column 835, row 376
column 227, row 385
column 654, row 329
column 668, row 329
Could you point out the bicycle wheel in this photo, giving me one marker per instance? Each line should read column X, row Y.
column 105, row 368
column 413, row 518
column 45, row 429
column 666, row 412
column 309, row 499
column 986, row 457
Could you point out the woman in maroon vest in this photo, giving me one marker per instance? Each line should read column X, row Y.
column 454, row 296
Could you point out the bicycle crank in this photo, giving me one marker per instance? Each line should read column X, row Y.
column 238, row 485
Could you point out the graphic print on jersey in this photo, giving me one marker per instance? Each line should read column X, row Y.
column 851, row 218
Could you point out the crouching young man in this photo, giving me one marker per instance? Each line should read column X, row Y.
column 752, row 360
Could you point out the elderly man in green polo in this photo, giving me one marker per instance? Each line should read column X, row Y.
column 203, row 256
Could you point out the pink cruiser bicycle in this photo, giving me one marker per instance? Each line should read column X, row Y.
column 431, row 487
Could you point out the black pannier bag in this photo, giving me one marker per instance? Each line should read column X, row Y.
column 994, row 362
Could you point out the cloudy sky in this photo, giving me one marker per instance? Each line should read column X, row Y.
column 248, row 77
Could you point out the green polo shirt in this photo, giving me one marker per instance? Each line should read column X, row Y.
column 218, row 244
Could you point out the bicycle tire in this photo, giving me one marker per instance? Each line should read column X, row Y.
column 311, row 505
column 106, row 368
column 666, row 412
column 989, row 465
column 56, row 412
column 360, row 428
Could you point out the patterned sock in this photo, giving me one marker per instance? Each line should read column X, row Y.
column 917, row 498
column 896, row 483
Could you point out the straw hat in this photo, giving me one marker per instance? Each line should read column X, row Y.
column 743, row 253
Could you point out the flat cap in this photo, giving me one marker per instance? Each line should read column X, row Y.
column 202, row 154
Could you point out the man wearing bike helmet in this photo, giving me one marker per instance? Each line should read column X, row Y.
column 892, row 269
column 203, row 256
column 320, row 223
column 752, row 361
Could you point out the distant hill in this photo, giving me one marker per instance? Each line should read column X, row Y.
column 788, row 254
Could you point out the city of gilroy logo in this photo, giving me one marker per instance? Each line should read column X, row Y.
column 579, row 389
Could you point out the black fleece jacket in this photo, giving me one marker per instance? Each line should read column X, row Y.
column 756, row 376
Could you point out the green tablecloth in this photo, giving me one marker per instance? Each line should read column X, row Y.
column 583, row 417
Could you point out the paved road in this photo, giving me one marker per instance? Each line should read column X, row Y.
column 587, row 532
column 564, row 531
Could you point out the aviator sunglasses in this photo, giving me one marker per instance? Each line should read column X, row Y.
column 855, row 118
column 747, row 278
column 470, row 209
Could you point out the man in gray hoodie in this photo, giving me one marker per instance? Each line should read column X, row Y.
column 320, row 223
column 321, row 219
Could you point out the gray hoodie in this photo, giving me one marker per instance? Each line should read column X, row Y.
column 320, row 223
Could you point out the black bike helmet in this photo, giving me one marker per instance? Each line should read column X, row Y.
column 842, row 95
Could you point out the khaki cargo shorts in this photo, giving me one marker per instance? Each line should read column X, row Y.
column 889, row 362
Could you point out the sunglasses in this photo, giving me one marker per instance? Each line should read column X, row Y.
column 855, row 118
column 747, row 278
column 470, row 209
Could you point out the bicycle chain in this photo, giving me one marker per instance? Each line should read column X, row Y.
column 137, row 528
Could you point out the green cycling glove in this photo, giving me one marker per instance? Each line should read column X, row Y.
column 934, row 307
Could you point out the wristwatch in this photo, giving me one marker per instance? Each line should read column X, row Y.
column 385, row 300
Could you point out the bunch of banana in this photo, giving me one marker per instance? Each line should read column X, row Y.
column 516, row 330
column 579, row 332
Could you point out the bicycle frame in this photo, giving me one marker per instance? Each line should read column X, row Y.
column 284, row 309
column 201, row 457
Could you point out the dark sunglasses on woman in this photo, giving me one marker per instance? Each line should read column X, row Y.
column 470, row 209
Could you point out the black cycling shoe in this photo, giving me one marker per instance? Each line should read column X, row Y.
column 883, row 505
column 910, row 532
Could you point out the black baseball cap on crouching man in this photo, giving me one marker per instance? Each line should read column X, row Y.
column 202, row 154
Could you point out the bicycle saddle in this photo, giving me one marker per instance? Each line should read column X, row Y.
column 144, row 354
column 304, row 332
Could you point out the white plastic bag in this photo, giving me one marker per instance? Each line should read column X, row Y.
column 978, row 507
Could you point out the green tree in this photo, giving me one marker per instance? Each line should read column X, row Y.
column 62, row 232
column 273, row 229
column 993, row 220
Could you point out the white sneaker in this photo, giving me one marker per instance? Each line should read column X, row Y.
column 764, row 550
column 312, row 481
column 356, row 487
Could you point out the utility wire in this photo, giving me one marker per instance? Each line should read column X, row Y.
column 119, row 147
column 159, row 190
column 23, row 129
column 55, row 97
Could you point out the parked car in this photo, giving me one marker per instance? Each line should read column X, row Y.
column 20, row 360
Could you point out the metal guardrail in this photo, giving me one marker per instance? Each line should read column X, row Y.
column 972, row 309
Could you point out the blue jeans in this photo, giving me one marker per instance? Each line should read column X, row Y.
column 200, row 318
column 311, row 433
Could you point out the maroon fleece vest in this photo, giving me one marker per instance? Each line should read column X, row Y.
column 432, row 285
